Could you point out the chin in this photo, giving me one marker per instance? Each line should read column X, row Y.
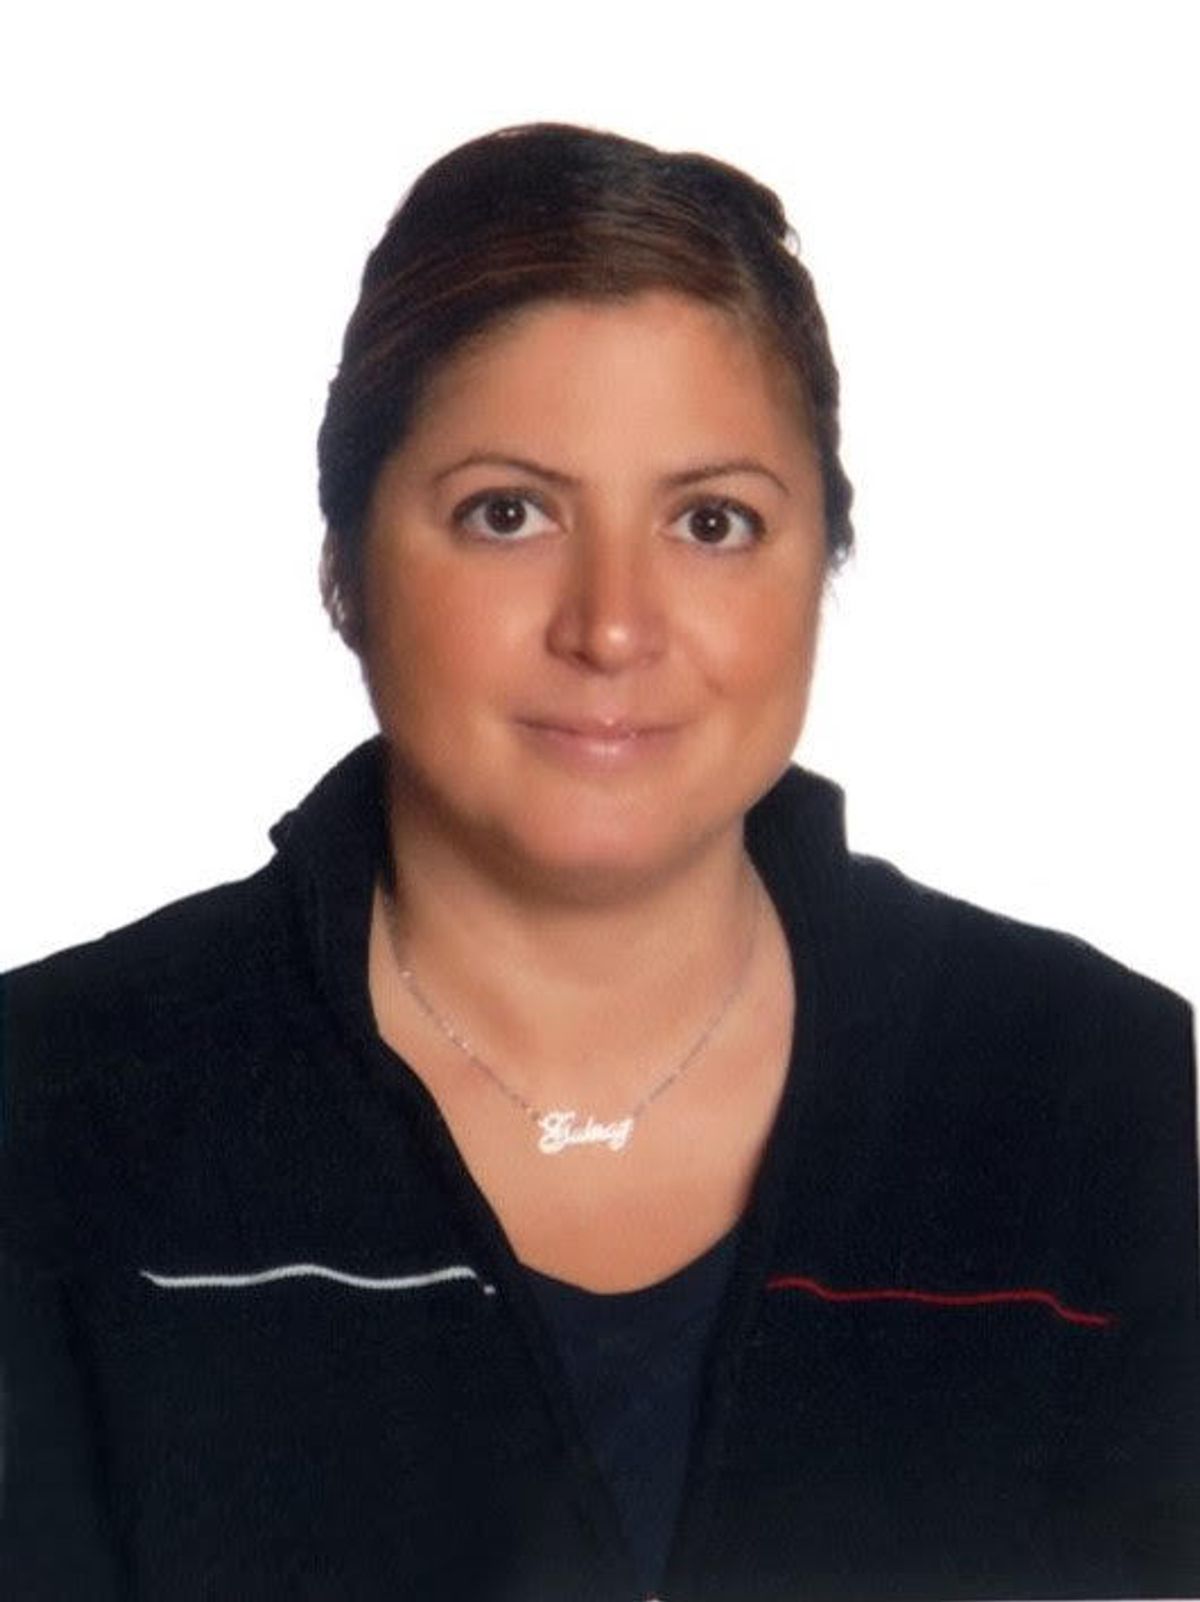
column 567, row 861
column 584, row 882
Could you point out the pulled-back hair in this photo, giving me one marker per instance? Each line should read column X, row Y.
column 553, row 212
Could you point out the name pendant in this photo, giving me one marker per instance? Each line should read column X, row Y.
column 562, row 1129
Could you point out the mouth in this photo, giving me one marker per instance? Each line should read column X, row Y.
column 605, row 742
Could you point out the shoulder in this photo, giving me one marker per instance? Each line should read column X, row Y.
column 167, row 972
column 890, row 947
column 1055, row 1054
column 112, row 1048
column 988, row 964
column 1040, row 1086
column 114, row 1029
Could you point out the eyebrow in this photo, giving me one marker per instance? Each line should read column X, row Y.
column 551, row 475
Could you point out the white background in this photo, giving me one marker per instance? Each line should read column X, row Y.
column 998, row 202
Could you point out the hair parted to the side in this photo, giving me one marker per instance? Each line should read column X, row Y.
column 543, row 212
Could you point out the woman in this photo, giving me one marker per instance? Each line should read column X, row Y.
column 565, row 1171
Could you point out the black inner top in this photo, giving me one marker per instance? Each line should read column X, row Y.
column 633, row 1360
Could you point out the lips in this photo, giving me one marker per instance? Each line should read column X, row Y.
column 597, row 742
column 596, row 728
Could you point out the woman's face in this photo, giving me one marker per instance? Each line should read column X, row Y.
column 592, row 580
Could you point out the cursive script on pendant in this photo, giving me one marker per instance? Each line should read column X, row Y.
column 561, row 1129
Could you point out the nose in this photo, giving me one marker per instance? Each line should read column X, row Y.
column 607, row 614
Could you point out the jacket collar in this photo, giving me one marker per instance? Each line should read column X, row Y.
column 335, row 844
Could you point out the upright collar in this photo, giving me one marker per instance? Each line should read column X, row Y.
column 335, row 843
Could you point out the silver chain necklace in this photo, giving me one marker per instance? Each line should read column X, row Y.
column 561, row 1128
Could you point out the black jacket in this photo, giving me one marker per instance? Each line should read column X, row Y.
column 959, row 1354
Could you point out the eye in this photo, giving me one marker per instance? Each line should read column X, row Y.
column 721, row 525
column 502, row 515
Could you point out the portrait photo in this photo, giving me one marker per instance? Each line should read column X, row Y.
column 598, row 855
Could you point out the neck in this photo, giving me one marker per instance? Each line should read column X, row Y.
column 568, row 993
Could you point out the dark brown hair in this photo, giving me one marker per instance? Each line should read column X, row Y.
column 541, row 212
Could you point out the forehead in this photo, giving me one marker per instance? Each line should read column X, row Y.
column 654, row 368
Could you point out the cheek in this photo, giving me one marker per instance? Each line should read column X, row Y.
column 433, row 634
column 768, row 649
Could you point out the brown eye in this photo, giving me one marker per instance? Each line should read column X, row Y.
column 710, row 524
column 504, row 514
column 501, row 515
column 724, row 525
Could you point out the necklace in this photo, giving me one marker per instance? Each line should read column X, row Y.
column 561, row 1128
